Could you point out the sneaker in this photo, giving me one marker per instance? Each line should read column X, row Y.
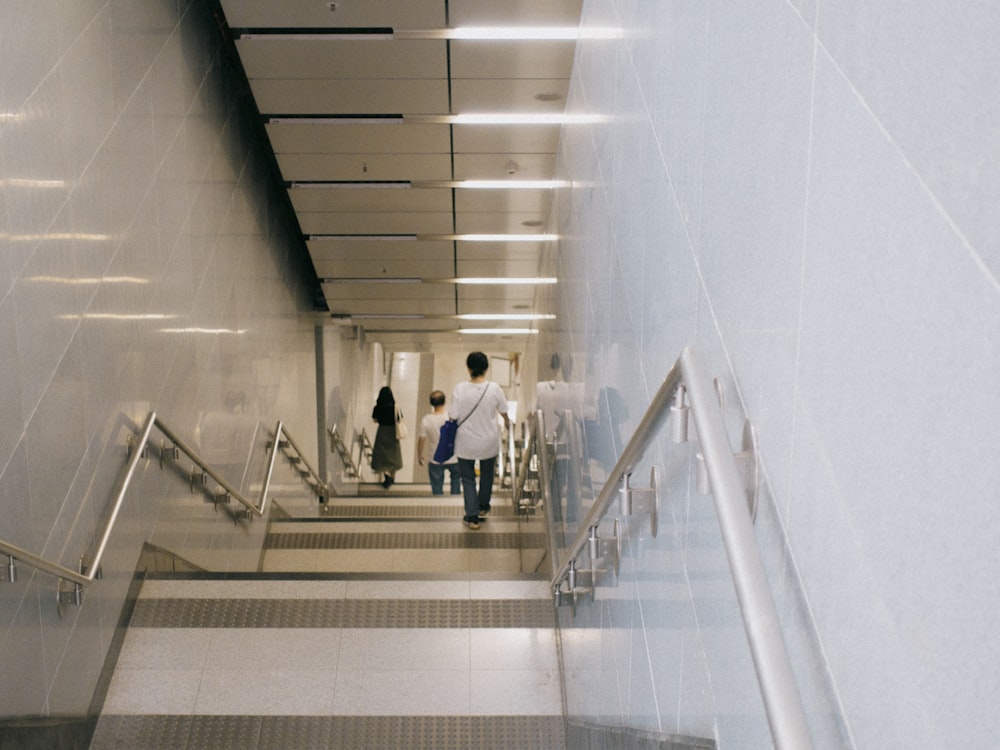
column 483, row 512
column 471, row 524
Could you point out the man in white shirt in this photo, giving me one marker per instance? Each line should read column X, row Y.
column 427, row 442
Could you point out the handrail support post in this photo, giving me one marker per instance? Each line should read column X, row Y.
column 9, row 571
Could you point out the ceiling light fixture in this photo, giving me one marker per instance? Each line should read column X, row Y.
column 521, row 118
column 498, row 331
column 505, row 237
column 505, row 280
column 511, row 184
column 506, row 316
column 213, row 331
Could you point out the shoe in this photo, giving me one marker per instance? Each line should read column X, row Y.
column 386, row 482
column 483, row 512
column 474, row 525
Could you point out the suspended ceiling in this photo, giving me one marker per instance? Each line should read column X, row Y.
column 363, row 102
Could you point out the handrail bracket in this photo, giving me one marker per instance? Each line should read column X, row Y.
column 747, row 465
column 641, row 499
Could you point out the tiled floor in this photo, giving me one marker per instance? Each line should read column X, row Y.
column 384, row 635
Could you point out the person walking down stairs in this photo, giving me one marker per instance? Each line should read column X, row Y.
column 387, row 457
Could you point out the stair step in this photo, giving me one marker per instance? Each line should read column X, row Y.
column 356, row 650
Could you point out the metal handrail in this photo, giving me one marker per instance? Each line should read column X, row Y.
column 782, row 702
column 90, row 571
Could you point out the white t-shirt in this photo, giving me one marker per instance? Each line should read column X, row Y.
column 430, row 431
column 479, row 435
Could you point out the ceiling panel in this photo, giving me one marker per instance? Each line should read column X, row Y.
column 285, row 57
column 389, row 268
column 391, row 306
column 471, row 250
column 500, row 223
column 509, row 95
column 371, row 249
column 395, row 138
column 514, row 12
column 511, row 59
column 525, row 268
column 375, row 199
column 411, row 14
column 351, row 97
column 371, row 293
column 353, row 120
column 503, row 200
column 504, row 166
column 356, row 167
column 375, row 223
column 526, row 139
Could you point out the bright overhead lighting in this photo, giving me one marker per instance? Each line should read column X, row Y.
column 522, row 118
column 84, row 281
column 213, row 331
column 22, row 182
column 499, row 331
column 505, row 316
column 505, row 280
column 528, row 33
column 118, row 316
column 504, row 237
column 60, row 236
column 511, row 184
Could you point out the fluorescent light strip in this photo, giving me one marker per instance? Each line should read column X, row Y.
column 523, row 118
column 498, row 331
column 539, row 280
column 84, row 281
column 118, row 316
column 505, row 316
column 472, row 33
column 471, row 118
column 213, row 331
column 511, row 184
column 502, row 237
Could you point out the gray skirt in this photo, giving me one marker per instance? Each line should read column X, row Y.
column 386, row 454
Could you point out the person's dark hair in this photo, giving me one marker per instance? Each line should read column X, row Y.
column 437, row 398
column 385, row 397
column 478, row 363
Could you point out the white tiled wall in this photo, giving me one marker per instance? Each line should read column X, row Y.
column 807, row 192
column 142, row 268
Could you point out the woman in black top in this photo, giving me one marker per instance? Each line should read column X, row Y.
column 386, row 454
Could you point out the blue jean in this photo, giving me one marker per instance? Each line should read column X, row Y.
column 436, row 474
column 476, row 501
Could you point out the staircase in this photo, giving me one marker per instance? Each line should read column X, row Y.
column 376, row 621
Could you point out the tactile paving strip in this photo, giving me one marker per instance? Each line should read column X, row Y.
column 397, row 511
column 343, row 613
column 403, row 540
column 330, row 733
